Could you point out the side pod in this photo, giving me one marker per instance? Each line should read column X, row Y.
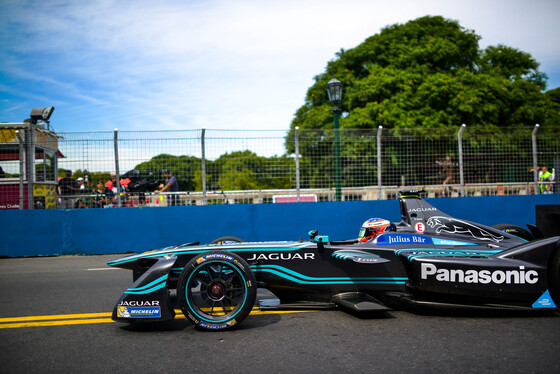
column 147, row 299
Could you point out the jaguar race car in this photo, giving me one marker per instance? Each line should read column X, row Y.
column 428, row 259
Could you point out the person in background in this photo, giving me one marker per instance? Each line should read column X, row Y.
column 68, row 187
column 448, row 171
column 545, row 179
column 100, row 195
column 111, row 184
column 171, row 185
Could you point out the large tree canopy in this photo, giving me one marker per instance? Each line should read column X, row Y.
column 429, row 74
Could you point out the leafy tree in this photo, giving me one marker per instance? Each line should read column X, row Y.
column 430, row 75
column 183, row 168
column 241, row 170
column 244, row 170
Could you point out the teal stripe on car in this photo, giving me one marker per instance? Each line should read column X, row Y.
column 150, row 287
column 416, row 253
column 304, row 279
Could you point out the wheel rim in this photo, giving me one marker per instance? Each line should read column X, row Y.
column 216, row 291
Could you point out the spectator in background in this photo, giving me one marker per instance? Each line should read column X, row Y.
column 171, row 185
column 112, row 183
column 81, row 184
column 100, row 195
column 545, row 180
column 82, row 202
column 448, row 171
column 68, row 187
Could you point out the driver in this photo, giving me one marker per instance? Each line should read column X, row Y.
column 372, row 227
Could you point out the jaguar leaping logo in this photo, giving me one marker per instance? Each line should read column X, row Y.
column 456, row 226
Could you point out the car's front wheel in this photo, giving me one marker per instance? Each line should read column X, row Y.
column 216, row 290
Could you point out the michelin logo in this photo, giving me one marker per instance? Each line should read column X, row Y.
column 138, row 312
column 518, row 276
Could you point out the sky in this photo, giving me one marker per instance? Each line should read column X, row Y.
column 215, row 64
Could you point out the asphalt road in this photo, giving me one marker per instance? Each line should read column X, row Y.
column 68, row 300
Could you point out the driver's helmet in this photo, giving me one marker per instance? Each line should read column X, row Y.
column 372, row 227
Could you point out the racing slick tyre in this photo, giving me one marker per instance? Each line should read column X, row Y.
column 515, row 230
column 227, row 240
column 216, row 290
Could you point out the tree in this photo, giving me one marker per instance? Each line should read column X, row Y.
column 429, row 75
column 244, row 170
column 182, row 167
column 240, row 170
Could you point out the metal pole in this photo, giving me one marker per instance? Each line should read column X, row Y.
column 116, row 141
column 21, row 168
column 336, row 115
column 460, row 141
column 203, row 146
column 535, row 164
column 29, row 135
column 379, row 171
column 297, row 161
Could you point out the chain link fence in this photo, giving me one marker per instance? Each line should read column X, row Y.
column 125, row 168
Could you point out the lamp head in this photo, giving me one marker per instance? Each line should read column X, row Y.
column 42, row 114
column 334, row 90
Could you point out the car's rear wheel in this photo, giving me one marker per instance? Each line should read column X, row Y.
column 554, row 278
column 216, row 290
column 515, row 230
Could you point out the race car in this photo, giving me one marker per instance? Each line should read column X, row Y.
column 428, row 259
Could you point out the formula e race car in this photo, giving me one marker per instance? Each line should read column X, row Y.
column 429, row 259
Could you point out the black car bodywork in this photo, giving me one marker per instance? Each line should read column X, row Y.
column 430, row 259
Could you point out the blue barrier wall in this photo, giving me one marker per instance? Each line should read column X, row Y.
column 104, row 231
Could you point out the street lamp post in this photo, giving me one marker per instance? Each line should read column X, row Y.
column 334, row 90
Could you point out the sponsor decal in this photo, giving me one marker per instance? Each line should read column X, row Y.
column 368, row 260
column 545, row 301
column 218, row 256
column 215, row 256
column 139, row 312
column 359, row 257
column 456, row 226
column 412, row 254
column 217, row 327
column 422, row 210
column 192, row 318
column 281, row 256
column 394, row 239
column 139, row 303
column 438, row 241
column 420, row 227
column 122, row 311
column 517, row 276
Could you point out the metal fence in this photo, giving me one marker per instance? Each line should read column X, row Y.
column 236, row 166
